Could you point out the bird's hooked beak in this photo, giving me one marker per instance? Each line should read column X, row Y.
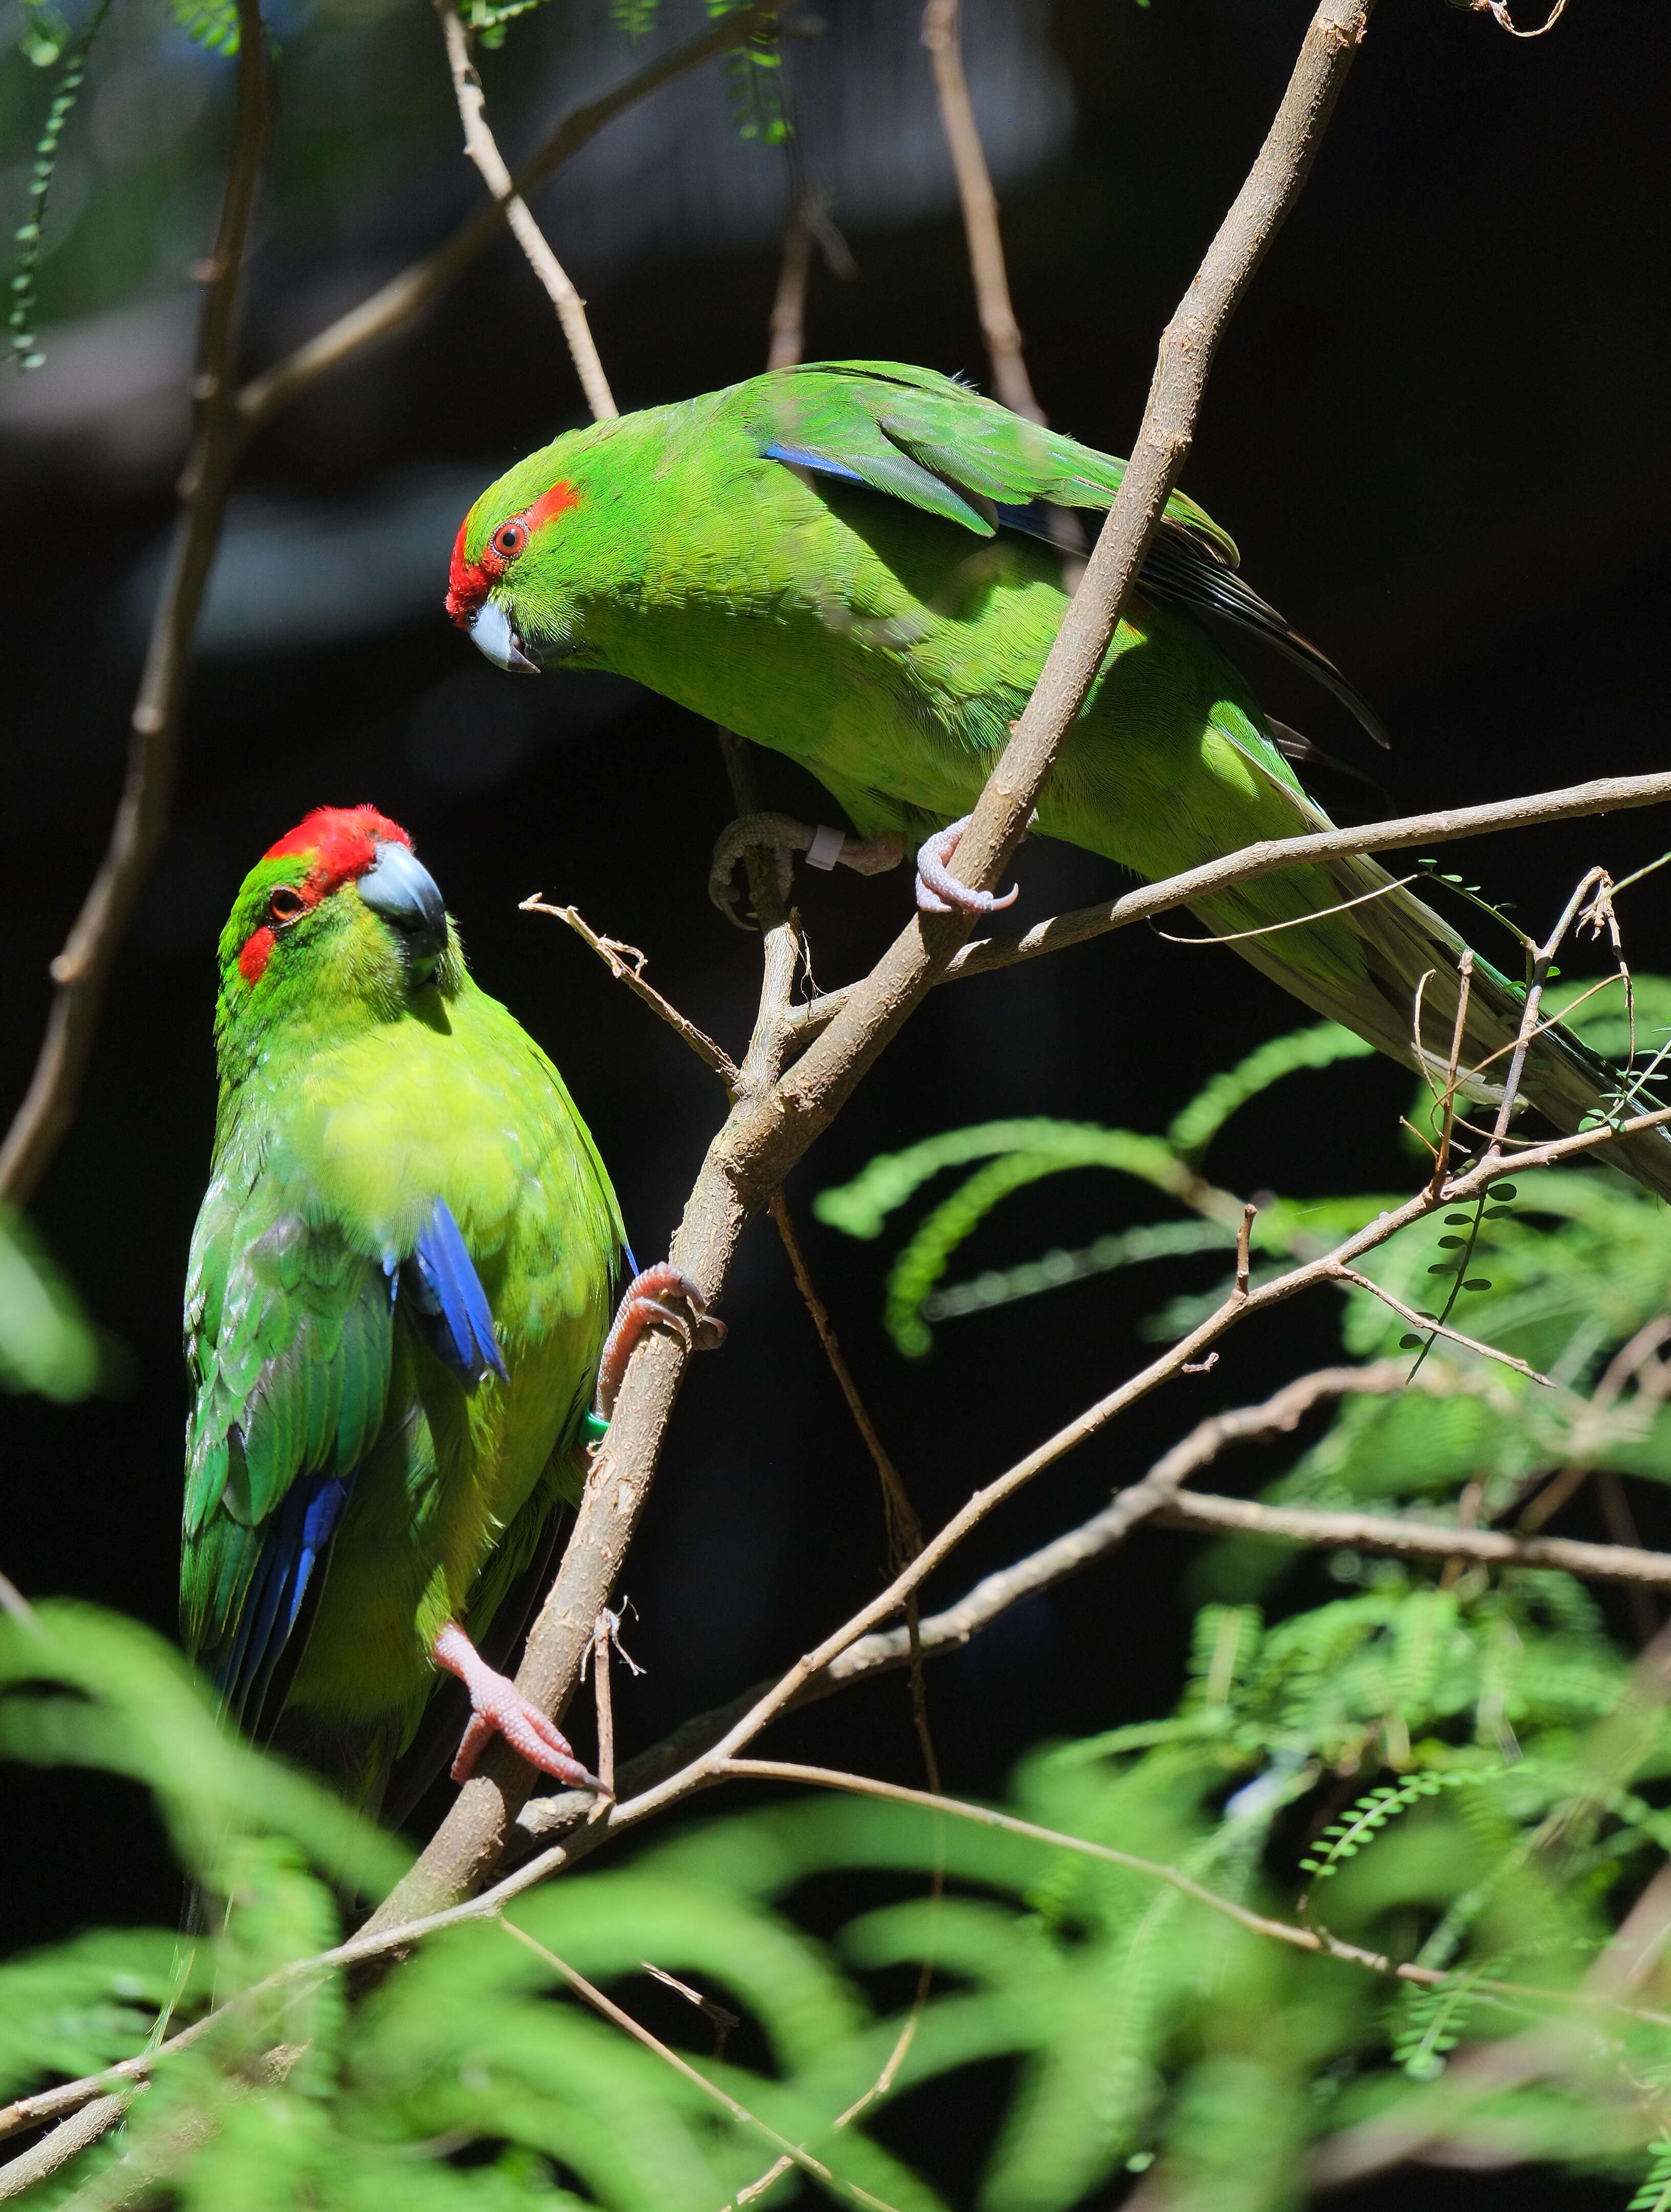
column 490, row 627
column 398, row 886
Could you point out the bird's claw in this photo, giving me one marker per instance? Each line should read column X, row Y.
column 779, row 837
column 940, row 892
column 644, row 1303
column 499, row 1708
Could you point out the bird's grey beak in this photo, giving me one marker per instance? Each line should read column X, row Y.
column 490, row 627
column 401, row 889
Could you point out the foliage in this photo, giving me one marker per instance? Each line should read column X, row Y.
column 1459, row 1771
column 46, row 1342
column 1138, row 2025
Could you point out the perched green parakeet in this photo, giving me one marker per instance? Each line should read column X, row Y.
column 398, row 1296
column 846, row 562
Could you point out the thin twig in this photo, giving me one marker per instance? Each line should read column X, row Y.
column 1605, row 795
column 942, row 35
column 483, row 150
column 624, row 2020
column 1429, row 1326
column 627, row 964
column 1419, row 1539
column 788, row 318
column 82, row 970
column 1541, row 960
column 1317, row 1940
column 405, row 296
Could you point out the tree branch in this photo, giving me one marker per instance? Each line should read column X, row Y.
column 627, row 964
column 483, row 151
column 417, row 286
column 943, row 36
column 1416, row 1539
column 1606, row 795
column 81, row 969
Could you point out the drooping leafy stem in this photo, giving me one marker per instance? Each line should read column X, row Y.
column 43, row 26
column 1494, row 1207
column 1343, row 1839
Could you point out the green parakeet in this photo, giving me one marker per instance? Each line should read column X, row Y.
column 399, row 1294
column 846, row 561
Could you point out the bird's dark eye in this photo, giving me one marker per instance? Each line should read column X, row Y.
column 286, row 904
column 509, row 539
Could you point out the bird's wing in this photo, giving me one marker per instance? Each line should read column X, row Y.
column 933, row 441
column 289, row 1331
column 929, row 441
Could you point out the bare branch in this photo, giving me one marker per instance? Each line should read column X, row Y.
column 482, row 150
column 1429, row 1326
column 942, row 34
column 788, row 319
column 1417, row 1539
column 406, row 296
column 81, row 969
column 1606, row 795
column 613, row 2012
column 627, row 964
column 1317, row 1939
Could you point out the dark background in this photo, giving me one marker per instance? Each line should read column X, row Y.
column 1436, row 429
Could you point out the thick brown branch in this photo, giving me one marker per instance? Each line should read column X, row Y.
column 482, row 150
column 81, row 969
column 815, row 1088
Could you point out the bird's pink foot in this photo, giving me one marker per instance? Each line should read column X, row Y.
column 644, row 1305
column 499, row 1708
column 940, row 892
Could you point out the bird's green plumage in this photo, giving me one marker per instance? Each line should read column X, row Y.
column 887, row 632
column 354, row 1094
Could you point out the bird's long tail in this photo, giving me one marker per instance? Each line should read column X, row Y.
column 1389, row 968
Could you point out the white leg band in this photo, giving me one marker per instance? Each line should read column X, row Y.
column 826, row 847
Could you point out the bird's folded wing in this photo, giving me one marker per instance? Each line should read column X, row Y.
column 288, row 1332
column 924, row 439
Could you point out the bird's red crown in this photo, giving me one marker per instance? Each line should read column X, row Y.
column 340, row 843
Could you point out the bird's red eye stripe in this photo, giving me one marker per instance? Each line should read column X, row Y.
column 470, row 581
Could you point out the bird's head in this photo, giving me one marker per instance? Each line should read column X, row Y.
column 547, row 532
column 341, row 910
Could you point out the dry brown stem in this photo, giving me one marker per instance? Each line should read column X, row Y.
column 942, row 34
column 483, row 151
column 627, row 964
column 406, row 296
column 82, row 970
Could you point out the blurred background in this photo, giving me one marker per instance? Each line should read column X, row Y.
column 1437, row 430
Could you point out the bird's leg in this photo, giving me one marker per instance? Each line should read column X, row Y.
column 644, row 1303
column 781, row 836
column 499, row 1708
column 938, row 892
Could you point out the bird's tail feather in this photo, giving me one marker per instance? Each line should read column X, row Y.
column 1405, row 956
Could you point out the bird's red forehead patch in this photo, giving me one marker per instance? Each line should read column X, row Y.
column 469, row 582
column 340, row 841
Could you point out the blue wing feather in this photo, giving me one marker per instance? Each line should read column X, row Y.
column 449, row 1304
